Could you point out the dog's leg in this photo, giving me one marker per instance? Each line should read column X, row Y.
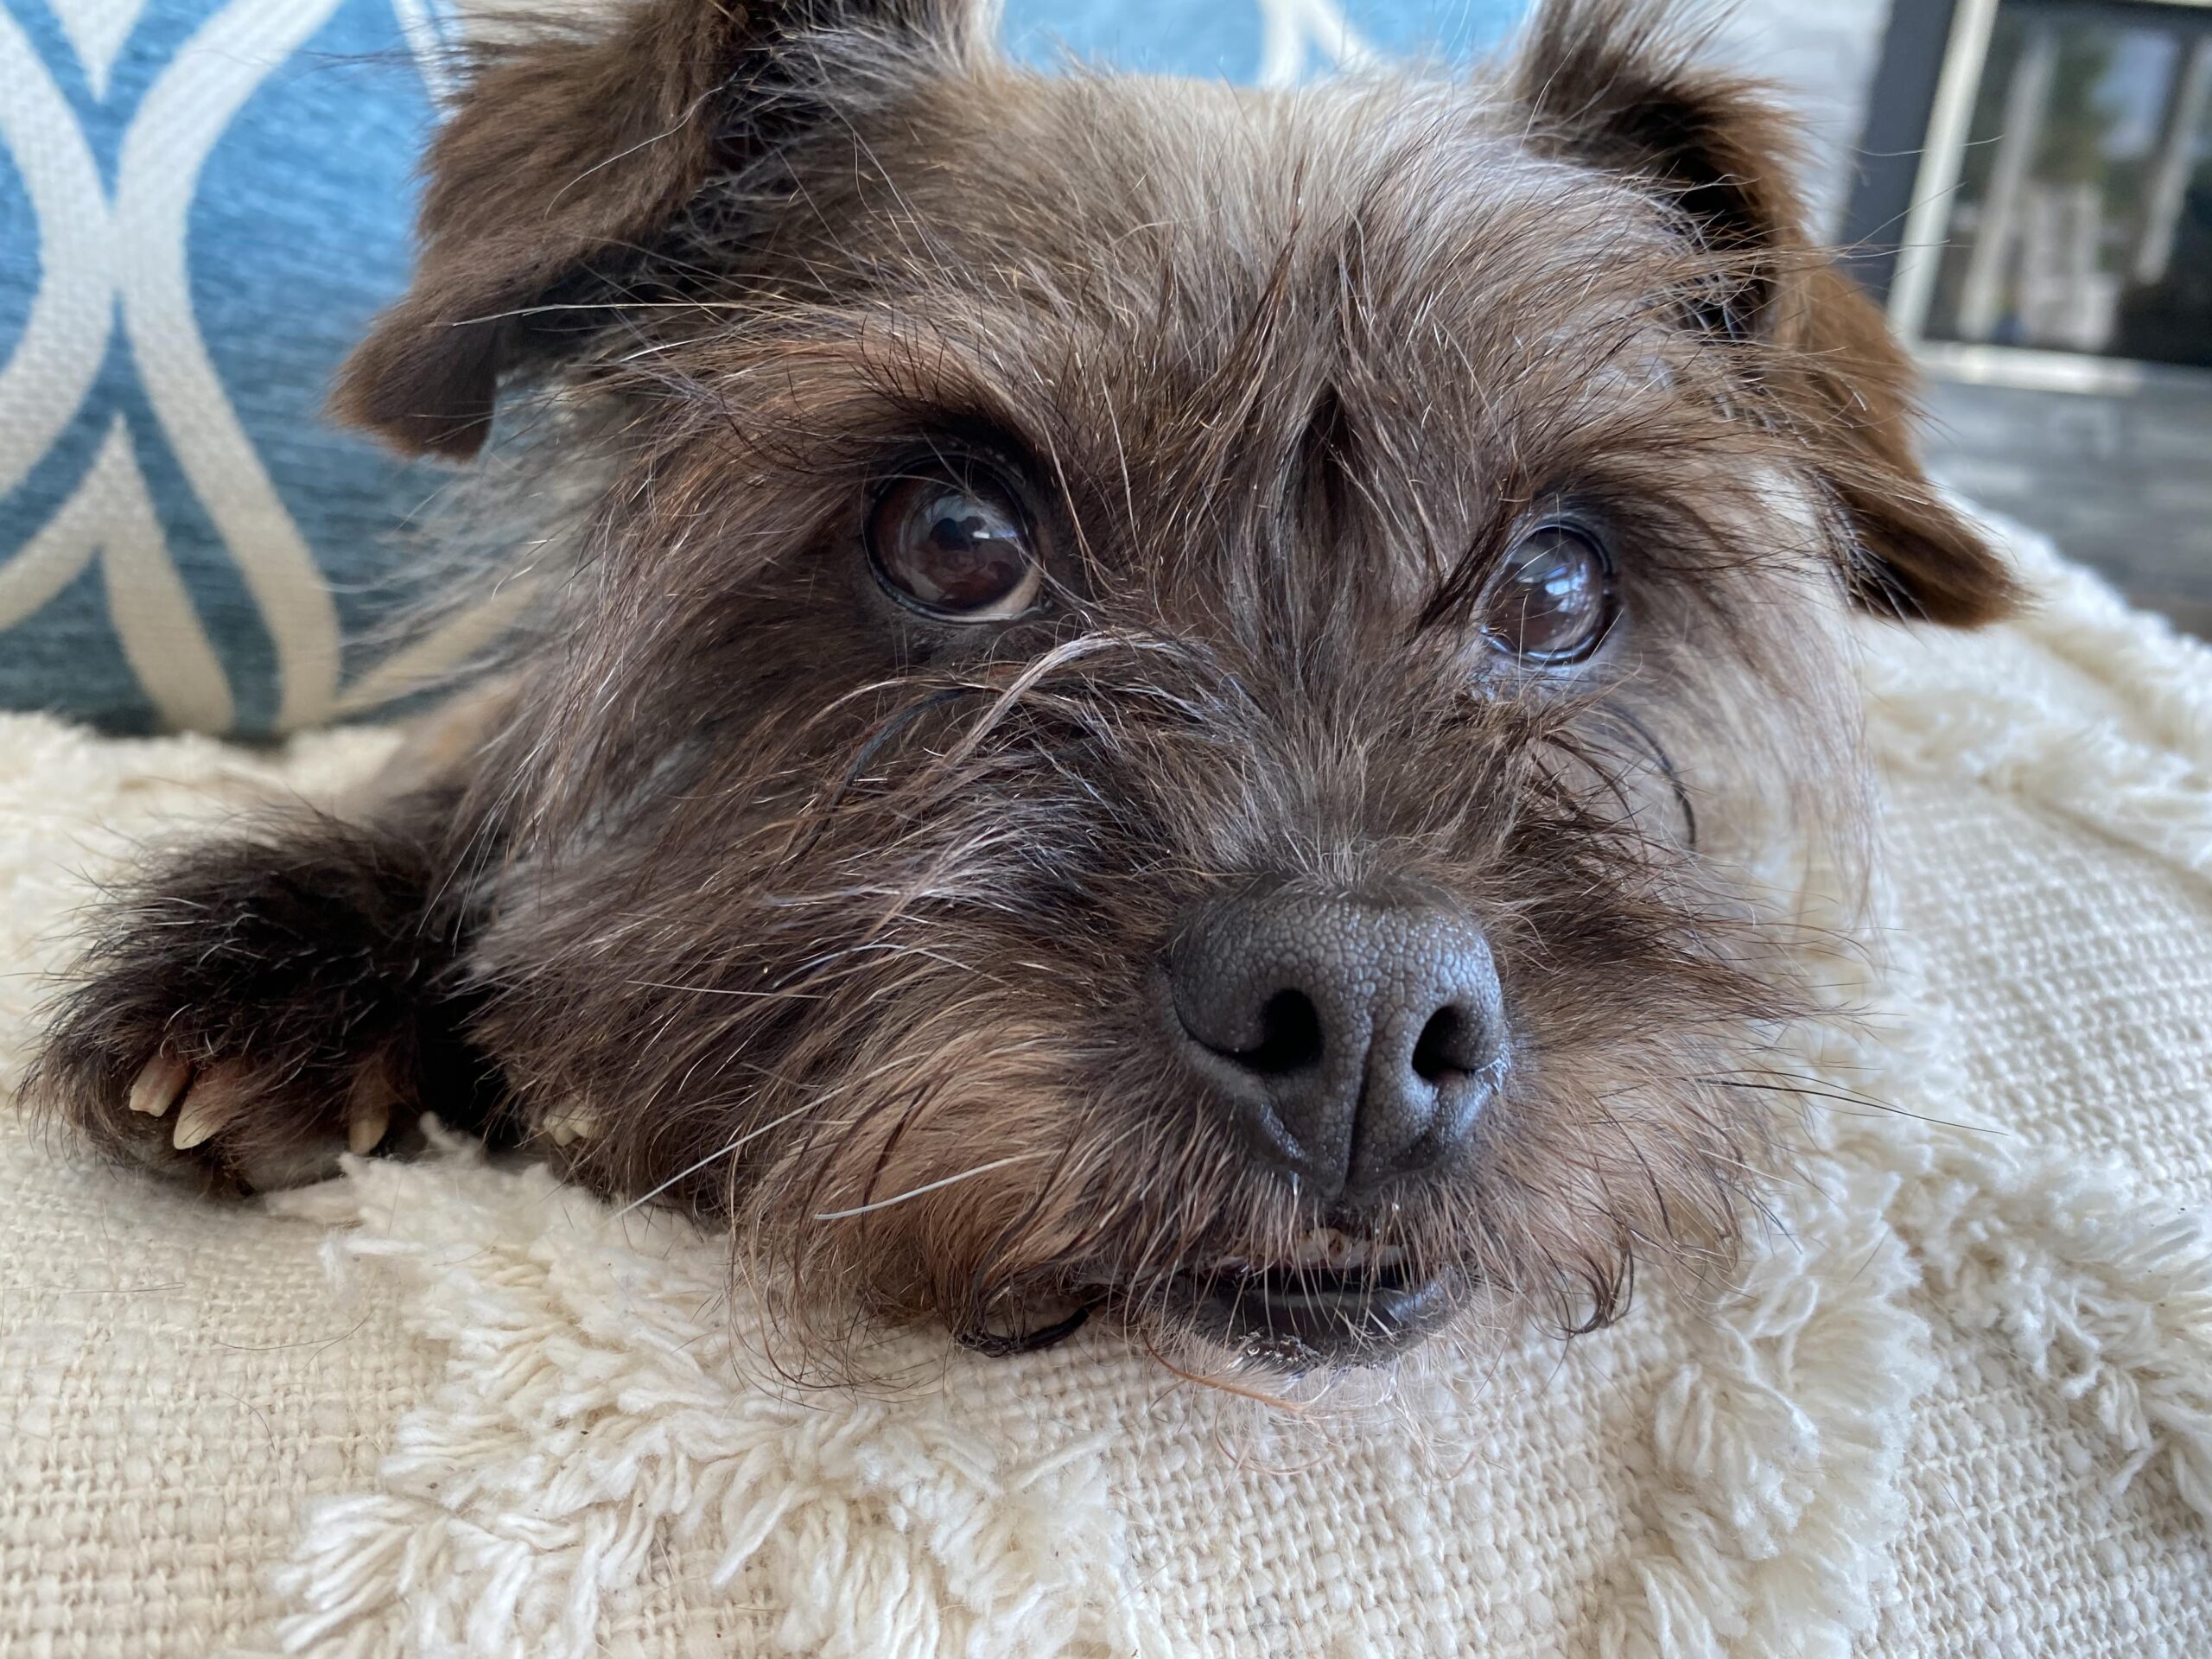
column 252, row 1007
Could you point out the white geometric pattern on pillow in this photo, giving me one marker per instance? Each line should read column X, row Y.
column 109, row 356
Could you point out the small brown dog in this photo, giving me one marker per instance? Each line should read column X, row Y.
column 1151, row 698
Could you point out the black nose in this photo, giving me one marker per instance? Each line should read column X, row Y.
column 1358, row 1042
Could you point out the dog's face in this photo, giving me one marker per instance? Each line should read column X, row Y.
column 1172, row 694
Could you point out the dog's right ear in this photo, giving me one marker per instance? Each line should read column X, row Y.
column 570, row 147
column 1620, row 85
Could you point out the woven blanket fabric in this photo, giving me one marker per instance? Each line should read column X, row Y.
column 1963, row 1407
column 202, row 202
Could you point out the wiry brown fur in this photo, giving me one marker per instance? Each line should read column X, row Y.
column 839, row 923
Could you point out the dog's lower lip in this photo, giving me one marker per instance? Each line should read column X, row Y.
column 1300, row 1315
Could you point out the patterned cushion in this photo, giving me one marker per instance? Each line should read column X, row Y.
column 201, row 204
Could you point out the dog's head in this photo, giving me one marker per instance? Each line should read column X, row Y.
column 1172, row 695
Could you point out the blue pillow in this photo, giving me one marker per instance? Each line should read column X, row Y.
column 202, row 202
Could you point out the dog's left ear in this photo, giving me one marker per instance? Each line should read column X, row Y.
column 1610, row 84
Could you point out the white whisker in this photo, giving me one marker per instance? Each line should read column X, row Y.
column 719, row 1152
column 932, row 1187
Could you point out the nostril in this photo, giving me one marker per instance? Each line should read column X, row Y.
column 1290, row 1036
column 1447, row 1045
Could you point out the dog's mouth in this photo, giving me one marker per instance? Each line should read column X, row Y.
column 1339, row 1299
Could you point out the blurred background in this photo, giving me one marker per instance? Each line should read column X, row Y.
column 2028, row 185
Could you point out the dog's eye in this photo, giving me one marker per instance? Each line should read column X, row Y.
column 955, row 546
column 1554, row 602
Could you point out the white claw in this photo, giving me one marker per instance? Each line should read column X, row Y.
column 366, row 1119
column 213, row 1102
column 158, row 1083
column 571, row 1124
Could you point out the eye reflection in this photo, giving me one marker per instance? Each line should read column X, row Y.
column 1554, row 601
column 958, row 548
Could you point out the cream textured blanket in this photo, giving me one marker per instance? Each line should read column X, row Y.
column 1964, row 1406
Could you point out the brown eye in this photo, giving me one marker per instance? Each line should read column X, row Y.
column 1554, row 602
column 956, row 546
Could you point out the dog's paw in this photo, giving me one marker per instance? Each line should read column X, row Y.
column 231, row 1086
column 234, row 1124
column 254, row 1009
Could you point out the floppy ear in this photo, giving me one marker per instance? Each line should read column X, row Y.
column 571, row 146
column 1608, row 83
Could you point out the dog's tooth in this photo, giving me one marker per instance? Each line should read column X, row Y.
column 157, row 1085
column 1342, row 1252
column 1319, row 1247
column 214, row 1100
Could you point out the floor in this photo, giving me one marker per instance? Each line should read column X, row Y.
column 2123, row 484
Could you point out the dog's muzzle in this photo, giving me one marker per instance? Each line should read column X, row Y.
column 1353, row 1045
